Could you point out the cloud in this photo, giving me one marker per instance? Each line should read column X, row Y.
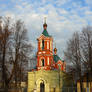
column 89, row 2
column 62, row 22
column 61, row 2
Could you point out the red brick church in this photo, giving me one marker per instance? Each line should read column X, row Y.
column 47, row 59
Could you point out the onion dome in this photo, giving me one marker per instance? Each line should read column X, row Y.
column 56, row 58
column 55, row 49
column 45, row 32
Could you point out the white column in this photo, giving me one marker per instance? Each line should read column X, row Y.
column 41, row 44
column 47, row 44
column 48, row 60
column 50, row 45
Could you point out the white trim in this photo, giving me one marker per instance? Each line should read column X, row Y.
column 51, row 45
column 40, row 52
column 41, row 36
column 44, row 52
column 48, row 60
column 40, row 80
column 40, row 44
column 47, row 44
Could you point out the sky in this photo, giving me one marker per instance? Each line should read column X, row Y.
column 64, row 17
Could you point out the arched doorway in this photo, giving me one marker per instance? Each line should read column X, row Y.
column 42, row 87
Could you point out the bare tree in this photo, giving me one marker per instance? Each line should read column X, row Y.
column 15, row 52
column 21, row 52
column 86, row 46
column 0, row 43
column 5, row 35
column 73, row 55
column 79, row 54
column 86, row 49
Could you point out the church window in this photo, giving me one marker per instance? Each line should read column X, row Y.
column 42, row 44
column 43, row 63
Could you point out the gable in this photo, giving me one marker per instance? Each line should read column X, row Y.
column 41, row 37
column 59, row 62
column 44, row 37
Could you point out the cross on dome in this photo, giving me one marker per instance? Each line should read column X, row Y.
column 45, row 25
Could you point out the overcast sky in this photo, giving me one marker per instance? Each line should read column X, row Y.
column 64, row 17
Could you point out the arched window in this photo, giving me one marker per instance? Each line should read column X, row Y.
column 43, row 63
column 42, row 87
column 42, row 44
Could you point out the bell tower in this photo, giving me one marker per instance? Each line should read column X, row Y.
column 45, row 50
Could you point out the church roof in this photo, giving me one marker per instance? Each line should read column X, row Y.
column 45, row 33
column 57, row 58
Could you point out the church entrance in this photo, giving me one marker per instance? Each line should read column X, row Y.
column 42, row 87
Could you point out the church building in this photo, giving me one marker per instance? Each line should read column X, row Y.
column 50, row 69
column 46, row 58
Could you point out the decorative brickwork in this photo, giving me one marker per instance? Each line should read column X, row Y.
column 46, row 59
